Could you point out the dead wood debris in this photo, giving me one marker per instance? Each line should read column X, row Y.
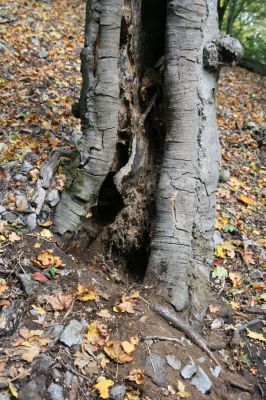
column 171, row 317
column 236, row 335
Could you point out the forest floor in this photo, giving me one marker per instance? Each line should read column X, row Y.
column 74, row 328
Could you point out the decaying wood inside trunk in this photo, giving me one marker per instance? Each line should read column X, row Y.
column 148, row 169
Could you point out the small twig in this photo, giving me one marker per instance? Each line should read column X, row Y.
column 21, row 375
column 21, row 266
column 167, row 339
column 80, row 388
column 236, row 335
column 153, row 367
column 38, row 237
column 68, row 311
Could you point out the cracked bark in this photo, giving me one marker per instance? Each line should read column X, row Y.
column 149, row 135
column 190, row 165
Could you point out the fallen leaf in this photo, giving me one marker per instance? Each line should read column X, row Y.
column 102, row 387
column 86, row 293
column 13, row 237
column 47, row 259
column 182, row 390
column 245, row 199
column 46, row 233
column 214, row 309
column 127, row 303
column 12, row 390
column 97, row 333
column 256, row 336
column 38, row 276
column 104, row 313
column 136, row 375
column 114, row 349
column 236, row 279
column 46, row 223
column 220, row 272
column 31, row 352
column 3, row 285
column 59, row 301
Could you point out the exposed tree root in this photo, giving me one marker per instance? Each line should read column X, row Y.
column 251, row 310
column 239, row 385
column 171, row 317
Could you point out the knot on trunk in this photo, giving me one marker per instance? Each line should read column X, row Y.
column 225, row 50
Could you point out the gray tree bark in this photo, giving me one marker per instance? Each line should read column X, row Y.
column 149, row 151
column 181, row 248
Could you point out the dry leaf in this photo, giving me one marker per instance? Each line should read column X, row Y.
column 46, row 223
column 214, row 309
column 46, row 233
column 12, row 390
column 86, row 293
column 182, row 390
column 136, row 375
column 31, row 352
column 246, row 200
column 38, row 276
column 236, row 279
column 114, row 350
column 13, row 237
column 47, row 259
column 104, row 313
column 256, row 336
column 60, row 301
column 3, row 286
column 97, row 333
column 127, row 303
column 102, row 387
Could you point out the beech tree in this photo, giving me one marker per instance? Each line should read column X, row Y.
column 143, row 186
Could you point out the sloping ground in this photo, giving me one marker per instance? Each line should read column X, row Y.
column 76, row 328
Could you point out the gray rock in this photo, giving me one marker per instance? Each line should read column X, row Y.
column 73, row 333
column 56, row 391
column 216, row 371
column 56, row 374
column 217, row 238
column 224, row 175
column 31, row 220
column 117, row 392
column 10, row 317
column 2, row 209
column 22, row 202
column 201, row 360
column 173, row 361
column 53, row 197
column 201, row 381
column 68, row 378
column 43, row 54
column 26, row 166
column 39, row 197
column 188, row 371
column 43, row 364
column 3, row 382
column 9, row 216
column 21, row 177
column 55, row 332
column 33, row 390
column 30, row 287
column 157, row 363
column 35, row 41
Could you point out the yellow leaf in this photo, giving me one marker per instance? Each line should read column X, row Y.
column 256, row 336
column 97, row 333
column 37, row 245
column 246, row 200
column 46, row 223
column 128, row 347
column 181, row 390
column 114, row 350
column 136, row 375
column 102, row 387
column 12, row 390
column 86, row 293
column 46, row 234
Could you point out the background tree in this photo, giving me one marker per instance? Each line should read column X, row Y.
column 143, row 188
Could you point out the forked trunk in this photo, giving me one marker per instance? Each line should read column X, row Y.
column 144, row 188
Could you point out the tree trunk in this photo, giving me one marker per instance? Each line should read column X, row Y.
column 181, row 248
column 231, row 18
column 144, row 188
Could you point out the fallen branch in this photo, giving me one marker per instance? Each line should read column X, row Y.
column 171, row 317
column 236, row 335
column 167, row 339
column 239, row 385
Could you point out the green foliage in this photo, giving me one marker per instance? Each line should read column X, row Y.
column 249, row 26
